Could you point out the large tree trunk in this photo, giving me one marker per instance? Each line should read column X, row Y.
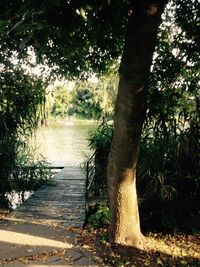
column 130, row 112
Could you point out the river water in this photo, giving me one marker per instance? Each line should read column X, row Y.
column 60, row 142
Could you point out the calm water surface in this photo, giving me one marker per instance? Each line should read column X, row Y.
column 58, row 143
column 64, row 142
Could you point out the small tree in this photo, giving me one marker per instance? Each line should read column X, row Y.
column 84, row 103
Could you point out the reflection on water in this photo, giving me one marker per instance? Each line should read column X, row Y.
column 64, row 142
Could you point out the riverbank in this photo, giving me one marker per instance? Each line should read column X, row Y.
column 71, row 121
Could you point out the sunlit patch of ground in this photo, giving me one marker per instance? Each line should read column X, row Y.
column 160, row 250
column 177, row 246
column 42, row 243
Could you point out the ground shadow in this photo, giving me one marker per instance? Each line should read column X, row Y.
column 25, row 243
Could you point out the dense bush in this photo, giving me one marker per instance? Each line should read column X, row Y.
column 96, row 166
column 22, row 100
column 100, row 216
column 168, row 163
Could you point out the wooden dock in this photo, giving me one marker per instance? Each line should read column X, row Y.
column 64, row 163
column 61, row 202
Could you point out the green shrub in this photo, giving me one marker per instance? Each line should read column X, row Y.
column 96, row 167
column 101, row 216
column 22, row 103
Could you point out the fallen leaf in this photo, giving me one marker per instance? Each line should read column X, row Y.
column 159, row 261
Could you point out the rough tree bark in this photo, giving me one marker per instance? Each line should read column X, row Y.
column 130, row 110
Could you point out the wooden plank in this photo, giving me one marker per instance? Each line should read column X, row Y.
column 63, row 202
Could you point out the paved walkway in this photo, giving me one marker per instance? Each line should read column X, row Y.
column 42, row 231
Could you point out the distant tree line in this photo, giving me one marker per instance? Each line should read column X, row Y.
column 86, row 100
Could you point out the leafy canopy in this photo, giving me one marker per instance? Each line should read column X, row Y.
column 77, row 36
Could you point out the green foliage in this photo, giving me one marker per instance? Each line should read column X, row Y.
column 104, row 239
column 100, row 138
column 83, row 104
column 96, row 166
column 86, row 100
column 31, row 173
column 61, row 102
column 22, row 100
column 106, row 91
column 101, row 216
column 66, row 33
column 168, row 164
